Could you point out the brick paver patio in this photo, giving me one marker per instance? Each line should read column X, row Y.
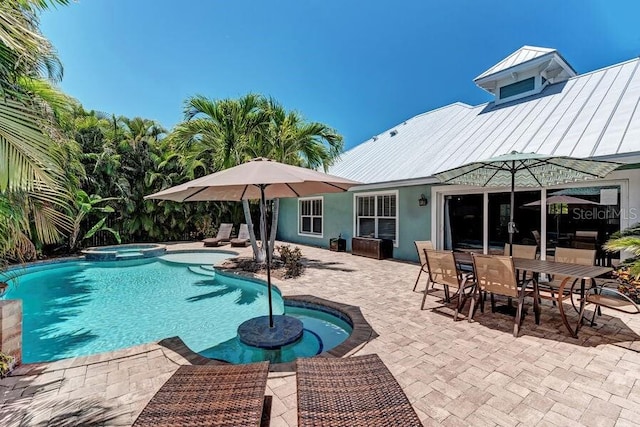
column 454, row 373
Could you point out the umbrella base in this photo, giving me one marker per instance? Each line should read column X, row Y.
column 257, row 333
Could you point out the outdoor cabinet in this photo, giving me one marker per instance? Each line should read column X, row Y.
column 372, row 248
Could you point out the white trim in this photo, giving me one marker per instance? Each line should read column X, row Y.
column 300, row 233
column 395, row 193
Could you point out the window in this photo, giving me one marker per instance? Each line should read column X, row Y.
column 310, row 213
column 517, row 88
column 376, row 216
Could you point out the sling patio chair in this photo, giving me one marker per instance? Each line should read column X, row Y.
column 209, row 395
column 421, row 245
column 243, row 237
column 605, row 295
column 352, row 392
column 549, row 288
column 443, row 270
column 496, row 275
column 224, row 234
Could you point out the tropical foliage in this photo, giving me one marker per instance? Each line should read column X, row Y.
column 629, row 241
column 218, row 134
column 71, row 177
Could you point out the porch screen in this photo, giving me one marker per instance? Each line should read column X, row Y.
column 376, row 216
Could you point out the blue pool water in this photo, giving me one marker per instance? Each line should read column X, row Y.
column 80, row 308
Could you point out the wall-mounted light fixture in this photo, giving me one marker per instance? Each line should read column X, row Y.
column 422, row 201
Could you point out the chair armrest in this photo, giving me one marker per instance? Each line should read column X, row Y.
column 611, row 298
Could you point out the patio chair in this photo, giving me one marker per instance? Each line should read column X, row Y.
column 443, row 270
column 522, row 251
column 208, row 395
column 243, row 237
column 536, row 236
column 496, row 274
column 224, row 233
column 549, row 289
column 352, row 392
column 605, row 296
column 421, row 245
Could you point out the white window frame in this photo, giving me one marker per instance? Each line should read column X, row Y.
column 396, row 242
column 302, row 233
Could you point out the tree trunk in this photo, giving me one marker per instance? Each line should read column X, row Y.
column 262, row 256
column 252, row 235
column 274, row 226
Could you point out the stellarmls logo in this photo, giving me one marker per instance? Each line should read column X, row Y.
column 604, row 214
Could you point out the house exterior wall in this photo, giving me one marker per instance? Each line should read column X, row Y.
column 414, row 221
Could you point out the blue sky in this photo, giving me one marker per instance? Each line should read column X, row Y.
column 358, row 66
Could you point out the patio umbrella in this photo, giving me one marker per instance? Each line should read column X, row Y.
column 259, row 178
column 526, row 170
column 561, row 200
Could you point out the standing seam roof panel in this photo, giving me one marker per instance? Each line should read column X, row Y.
column 572, row 137
column 611, row 135
column 588, row 141
column 575, row 104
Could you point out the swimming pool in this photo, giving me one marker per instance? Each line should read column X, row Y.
column 79, row 308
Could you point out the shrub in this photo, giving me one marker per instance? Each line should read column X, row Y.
column 6, row 363
column 291, row 260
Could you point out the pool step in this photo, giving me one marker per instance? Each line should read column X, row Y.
column 202, row 271
column 208, row 267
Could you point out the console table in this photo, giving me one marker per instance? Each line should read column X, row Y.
column 372, row 248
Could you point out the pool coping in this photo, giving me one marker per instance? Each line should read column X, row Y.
column 361, row 333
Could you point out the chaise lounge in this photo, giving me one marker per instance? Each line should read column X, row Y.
column 351, row 392
column 243, row 237
column 209, row 395
column 224, row 234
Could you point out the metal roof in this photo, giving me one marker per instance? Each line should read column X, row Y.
column 592, row 115
column 524, row 54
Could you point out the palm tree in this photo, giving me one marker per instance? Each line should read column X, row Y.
column 31, row 175
column 219, row 134
column 216, row 134
column 627, row 240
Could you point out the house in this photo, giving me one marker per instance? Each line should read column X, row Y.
column 542, row 105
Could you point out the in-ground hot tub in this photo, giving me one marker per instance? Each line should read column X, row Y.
column 121, row 252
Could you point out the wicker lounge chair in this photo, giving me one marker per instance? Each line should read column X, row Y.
column 352, row 392
column 209, row 395
column 224, row 233
column 243, row 237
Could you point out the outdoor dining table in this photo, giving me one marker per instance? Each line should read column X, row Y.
column 573, row 272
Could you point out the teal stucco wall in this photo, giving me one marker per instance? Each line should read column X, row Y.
column 338, row 218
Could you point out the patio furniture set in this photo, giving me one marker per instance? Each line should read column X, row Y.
column 351, row 392
column 571, row 277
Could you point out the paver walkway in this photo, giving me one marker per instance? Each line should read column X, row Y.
column 454, row 373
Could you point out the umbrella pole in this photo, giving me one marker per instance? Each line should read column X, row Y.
column 265, row 243
column 511, row 227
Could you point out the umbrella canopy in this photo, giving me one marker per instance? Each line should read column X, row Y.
column 261, row 179
column 243, row 182
column 568, row 200
column 526, row 170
